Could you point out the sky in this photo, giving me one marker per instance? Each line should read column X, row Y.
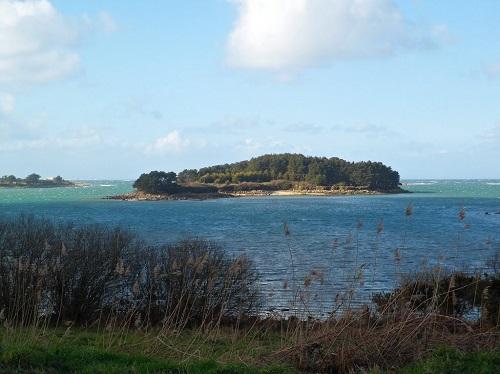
column 101, row 89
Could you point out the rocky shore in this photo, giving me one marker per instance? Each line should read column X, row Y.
column 142, row 196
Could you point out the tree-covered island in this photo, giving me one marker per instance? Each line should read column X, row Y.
column 34, row 181
column 273, row 174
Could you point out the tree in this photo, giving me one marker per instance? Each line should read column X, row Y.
column 287, row 166
column 157, row 182
column 188, row 176
column 58, row 179
column 32, row 179
column 315, row 175
column 9, row 179
column 296, row 168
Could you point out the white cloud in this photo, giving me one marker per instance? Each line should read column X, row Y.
column 286, row 35
column 7, row 103
column 172, row 142
column 37, row 42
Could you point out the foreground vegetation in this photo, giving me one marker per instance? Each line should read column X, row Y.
column 274, row 173
column 33, row 180
column 94, row 299
column 83, row 351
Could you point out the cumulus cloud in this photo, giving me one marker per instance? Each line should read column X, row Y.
column 285, row 35
column 7, row 103
column 37, row 42
column 172, row 142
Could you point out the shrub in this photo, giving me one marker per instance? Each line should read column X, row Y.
column 451, row 294
column 60, row 272
column 193, row 282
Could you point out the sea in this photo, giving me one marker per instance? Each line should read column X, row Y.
column 318, row 245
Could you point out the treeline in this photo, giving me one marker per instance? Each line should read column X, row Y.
column 160, row 182
column 319, row 171
column 33, row 180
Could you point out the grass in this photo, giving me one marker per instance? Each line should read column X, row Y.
column 452, row 361
column 59, row 351
column 84, row 351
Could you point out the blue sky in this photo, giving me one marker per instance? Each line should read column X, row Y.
column 110, row 89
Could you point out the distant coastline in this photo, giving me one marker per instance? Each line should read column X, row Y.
column 33, row 181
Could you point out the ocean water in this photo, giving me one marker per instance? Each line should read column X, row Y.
column 365, row 242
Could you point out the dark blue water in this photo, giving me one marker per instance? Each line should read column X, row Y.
column 365, row 241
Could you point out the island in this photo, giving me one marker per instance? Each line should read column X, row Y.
column 271, row 174
column 33, row 181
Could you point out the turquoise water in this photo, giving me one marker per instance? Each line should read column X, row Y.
column 473, row 188
column 92, row 190
column 334, row 236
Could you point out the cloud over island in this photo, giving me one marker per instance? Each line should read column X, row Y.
column 289, row 35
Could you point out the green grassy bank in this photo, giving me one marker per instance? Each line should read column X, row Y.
column 80, row 351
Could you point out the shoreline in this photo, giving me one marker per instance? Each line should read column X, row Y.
column 141, row 196
column 39, row 186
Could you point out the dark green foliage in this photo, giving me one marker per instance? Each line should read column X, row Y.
column 187, row 176
column 32, row 180
column 8, row 179
column 375, row 175
column 297, row 169
column 320, row 171
column 160, row 182
column 157, row 182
